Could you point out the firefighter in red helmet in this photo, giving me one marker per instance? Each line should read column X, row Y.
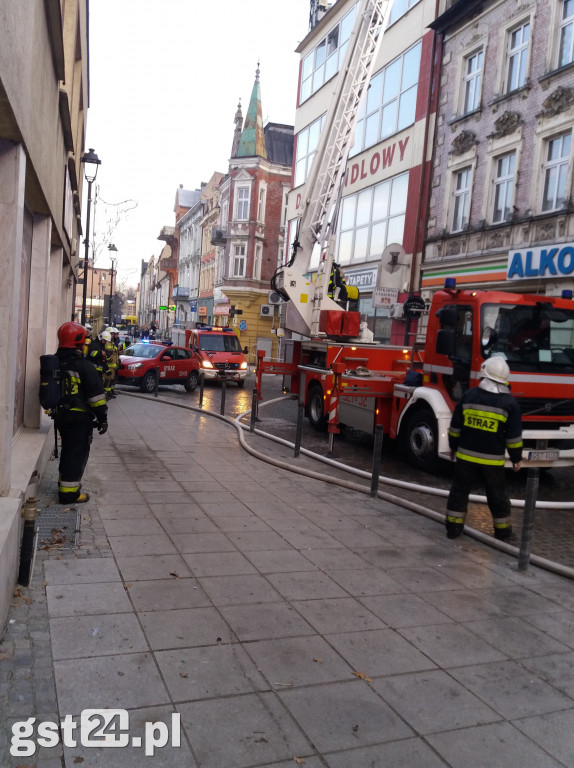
column 83, row 405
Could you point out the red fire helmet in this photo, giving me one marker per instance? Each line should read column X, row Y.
column 71, row 335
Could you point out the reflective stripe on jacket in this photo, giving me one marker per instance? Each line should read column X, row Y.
column 484, row 426
column 84, row 390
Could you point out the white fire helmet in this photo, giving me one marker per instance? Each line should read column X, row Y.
column 88, row 326
column 495, row 369
column 106, row 335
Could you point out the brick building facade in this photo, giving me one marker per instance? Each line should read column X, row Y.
column 250, row 237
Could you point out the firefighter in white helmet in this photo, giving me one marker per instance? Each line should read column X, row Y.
column 485, row 424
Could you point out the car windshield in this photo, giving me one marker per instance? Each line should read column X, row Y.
column 531, row 337
column 144, row 350
column 224, row 342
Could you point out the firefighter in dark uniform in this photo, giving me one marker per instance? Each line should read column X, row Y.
column 347, row 296
column 486, row 422
column 96, row 355
column 337, row 284
column 84, row 401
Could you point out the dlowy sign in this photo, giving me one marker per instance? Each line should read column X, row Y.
column 546, row 261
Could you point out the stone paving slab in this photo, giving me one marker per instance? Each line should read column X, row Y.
column 284, row 620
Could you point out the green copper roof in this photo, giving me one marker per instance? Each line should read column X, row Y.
column 252, row 140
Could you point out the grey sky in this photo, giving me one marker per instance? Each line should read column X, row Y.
column 165, row 80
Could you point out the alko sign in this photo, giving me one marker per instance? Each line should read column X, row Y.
column 547, row 261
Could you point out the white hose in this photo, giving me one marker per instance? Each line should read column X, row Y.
column 518, row 503
column 541, row 562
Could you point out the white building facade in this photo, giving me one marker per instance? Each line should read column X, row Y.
column 385, row 194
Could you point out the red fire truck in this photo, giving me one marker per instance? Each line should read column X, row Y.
column 412, row 392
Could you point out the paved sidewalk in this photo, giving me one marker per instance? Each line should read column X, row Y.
column 288, row 621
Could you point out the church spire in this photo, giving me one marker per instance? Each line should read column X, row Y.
column 237, row 133
column 252, row 140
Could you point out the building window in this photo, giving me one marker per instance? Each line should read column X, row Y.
column 103, row 277
column 391, row 101
column 224, row 213
column 307, row 142
column 461, row 199
column 517, row 57
column 472, row 81
column 372, row 218
column 504, row 187
column 400, row 7
column 239, row 261
column 261, row 203
column 257, row 261
column 326, row 58
column 566, row 55
column 556, row 172
column 284, row 207
column 242, row 207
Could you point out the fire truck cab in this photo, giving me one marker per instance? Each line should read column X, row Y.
column 534, row 334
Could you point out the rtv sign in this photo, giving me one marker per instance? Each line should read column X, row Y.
column 547, row 261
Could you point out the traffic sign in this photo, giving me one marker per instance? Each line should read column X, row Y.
column 243, row 325
column 414, row 306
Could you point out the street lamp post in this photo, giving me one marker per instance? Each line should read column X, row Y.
column 113, row 249
column 88, row 159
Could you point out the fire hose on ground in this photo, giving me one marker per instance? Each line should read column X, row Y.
column 536, row 560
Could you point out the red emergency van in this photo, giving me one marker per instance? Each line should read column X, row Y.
column 218, row 353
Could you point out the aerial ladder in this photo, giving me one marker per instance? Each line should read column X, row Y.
column 314, row 242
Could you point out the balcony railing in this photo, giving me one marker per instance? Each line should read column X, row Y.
column 218, row 236
column 180, row 292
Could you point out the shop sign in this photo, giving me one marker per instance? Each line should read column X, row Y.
column 547, row 261
column 384, row 297
column 364, row 279
column 381, row 158
column 202, row 311
column 221, row 309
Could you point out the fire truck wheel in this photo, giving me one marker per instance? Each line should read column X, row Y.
column 421, row 440
column 316, row 408
column 192, row 381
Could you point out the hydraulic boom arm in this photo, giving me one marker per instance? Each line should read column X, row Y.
column 321, row 194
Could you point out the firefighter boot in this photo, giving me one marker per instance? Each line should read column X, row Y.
column 503, row 534
column 454, row 526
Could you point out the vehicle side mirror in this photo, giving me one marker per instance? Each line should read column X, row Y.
column 165, row 357
column 445, row 341
column 245, row 350
column 489, row 337
column 447, row 316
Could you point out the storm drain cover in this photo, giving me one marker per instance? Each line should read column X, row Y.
column 58, row 528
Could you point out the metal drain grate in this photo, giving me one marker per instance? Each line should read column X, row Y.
column 58, row 528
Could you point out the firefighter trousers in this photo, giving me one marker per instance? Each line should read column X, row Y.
column 469, row 475
column 75, row 428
